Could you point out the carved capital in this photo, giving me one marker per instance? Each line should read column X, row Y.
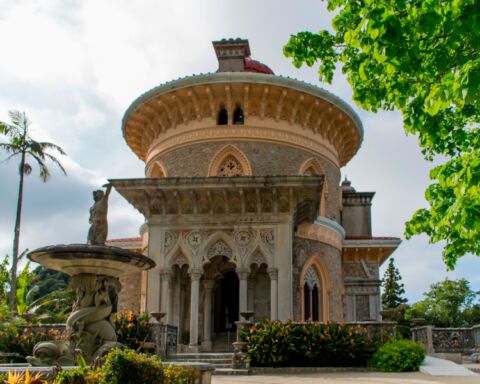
column 166, row 274
column 195, row 274
column 242, row 273
column 273, row 273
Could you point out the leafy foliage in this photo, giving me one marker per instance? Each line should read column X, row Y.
column 449, row 303
column 422, row 58
column 393, row 290
column 132, row 329
column 399, row 356
column 277, row 344
column 129, row 367
column 21, row 339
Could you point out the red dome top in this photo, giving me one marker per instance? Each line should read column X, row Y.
column 255, row 66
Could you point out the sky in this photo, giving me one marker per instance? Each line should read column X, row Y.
column 75, row 66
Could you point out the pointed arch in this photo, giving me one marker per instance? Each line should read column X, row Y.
column 313, row 167
column 156, row 170
column 220, row 240
column 258, row 256
column 176, row 254
column 314, row 268
column 231, row 157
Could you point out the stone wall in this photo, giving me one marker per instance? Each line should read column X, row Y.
column 130, row 296
column 303, row 250
column 265, row 159
column 448, row 340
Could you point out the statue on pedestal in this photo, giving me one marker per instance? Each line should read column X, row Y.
column 97, row 234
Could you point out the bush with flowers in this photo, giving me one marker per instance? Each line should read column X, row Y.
column 132, row 329
column 20, row 339
column 281, row 344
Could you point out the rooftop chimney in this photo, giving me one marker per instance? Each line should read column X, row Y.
column 231, row 54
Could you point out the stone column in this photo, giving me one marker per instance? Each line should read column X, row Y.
column 310, row 302
column 166, row 277
column 283, row 262
column 251, row 293
column 155, row 248
column 273, row 273
column 243, row 290
column 195, row 276
column 207, row 313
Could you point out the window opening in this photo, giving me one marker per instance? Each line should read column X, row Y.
column 238, row 116
column 222, row 118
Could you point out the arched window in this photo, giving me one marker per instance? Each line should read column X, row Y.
column 229, row 161
column 230, row 166
column 311, row 295
column 238, row 116
column 222, row 118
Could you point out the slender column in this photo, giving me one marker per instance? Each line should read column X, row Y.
column 207, row 321
column 310, row 301
column 194, row 307
column 251, row 294
column 166, row 276
column 243, row 290
column 273, row 273
column 155, row 246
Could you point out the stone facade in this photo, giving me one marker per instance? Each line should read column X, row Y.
column 243, row 204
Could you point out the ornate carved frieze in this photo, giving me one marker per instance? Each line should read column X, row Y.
column 319, row 120
column 219, row 248
column 171, row 238
column 250, row 199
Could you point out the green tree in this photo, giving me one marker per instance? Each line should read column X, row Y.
column 449, row 303
column 21, row 144
column 421, row 57
column 393, row 291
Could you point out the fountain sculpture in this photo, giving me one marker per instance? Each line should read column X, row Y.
column 94, row 268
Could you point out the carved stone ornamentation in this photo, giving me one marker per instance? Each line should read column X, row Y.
column 311, row 278
column 194, row 239
column 171, row 239
column 268, row 238
column 220, row 248
column 180, row 260
column 242, row 238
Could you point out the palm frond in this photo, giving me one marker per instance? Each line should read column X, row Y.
column 44, row 172
column 19, row 119
column 54, row 160
column 46, row 145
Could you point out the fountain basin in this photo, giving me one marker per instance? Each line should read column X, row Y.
column 75, row 259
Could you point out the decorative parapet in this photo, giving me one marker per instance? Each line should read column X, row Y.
column 323, row 230
column 447, row 340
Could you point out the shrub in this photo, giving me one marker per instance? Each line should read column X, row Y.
column 399, row 356
column 132, row 329
column 22, row 339
column 179, row 374
column 129, row 367
column 307, row 344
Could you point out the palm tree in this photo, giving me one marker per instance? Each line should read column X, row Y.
column 21, row 144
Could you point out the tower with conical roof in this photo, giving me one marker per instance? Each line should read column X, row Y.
column 243, row 202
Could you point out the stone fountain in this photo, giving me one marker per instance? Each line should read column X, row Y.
column 94, row 268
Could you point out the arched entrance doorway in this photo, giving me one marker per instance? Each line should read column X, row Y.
column 226, row 302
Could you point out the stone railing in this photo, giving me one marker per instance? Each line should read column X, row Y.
column 448, row 340
column 378, row 330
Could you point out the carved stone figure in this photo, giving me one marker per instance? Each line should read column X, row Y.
column 97, row 234
column 88, row 327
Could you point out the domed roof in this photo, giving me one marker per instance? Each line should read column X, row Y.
column 256, row 66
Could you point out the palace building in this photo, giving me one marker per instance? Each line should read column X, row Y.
column 244, row 204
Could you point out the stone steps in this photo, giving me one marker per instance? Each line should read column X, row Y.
column 220, row 360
